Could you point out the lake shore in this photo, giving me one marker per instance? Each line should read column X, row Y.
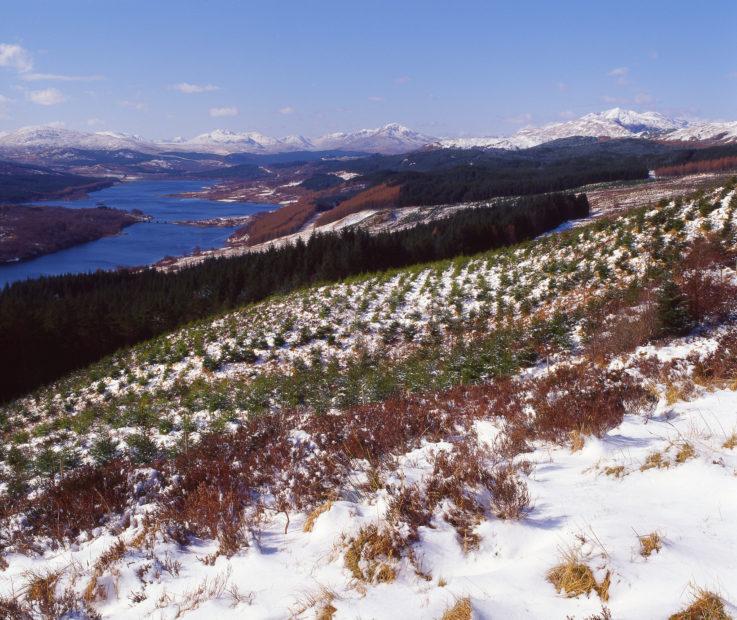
column 30, row 231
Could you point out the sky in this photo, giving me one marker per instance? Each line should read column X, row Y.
column 165, row 68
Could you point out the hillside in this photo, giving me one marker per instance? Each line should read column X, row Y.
column 545, row 430
column 23, row 183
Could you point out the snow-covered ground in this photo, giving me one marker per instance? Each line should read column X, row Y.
column 595, row 502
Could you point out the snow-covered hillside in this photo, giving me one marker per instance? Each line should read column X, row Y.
column 46, row 137
column 515, row 434
column 723, row 132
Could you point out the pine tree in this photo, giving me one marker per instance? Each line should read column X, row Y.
column 672, row 310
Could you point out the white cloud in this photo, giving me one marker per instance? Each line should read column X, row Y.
column 94, row 122
column 402, row 79
column 567, row 114
column 15, row 57
column 643, row 98
column 188, row 88
column 520, row 119
column 47, row 96
column 3, row 102
column 376, row 99
column 562, row 86
column 620, row 73
column 132, row 105
column 220, row 112
column 56, row 77
column 287, row 110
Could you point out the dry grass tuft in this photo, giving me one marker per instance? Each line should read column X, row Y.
column 675, row 392
column 574, row 578
column 649, row 543
column 41, row 589
column 615, row 471
column 327, row 612
column 462, row 610
column 114, row 554
column 312, row 517
column 685, row 452
column 705, row 606
column 577, row 441
column 731, row 442
column 367, row 556
column 654, row 460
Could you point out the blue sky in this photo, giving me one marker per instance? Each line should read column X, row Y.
column 165, row 68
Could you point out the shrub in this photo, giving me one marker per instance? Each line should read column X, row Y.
column 671, row 310
column 81, row 501
column 510, row 498
column 141, row 448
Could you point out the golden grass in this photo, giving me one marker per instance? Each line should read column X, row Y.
column 615, row 471
column 114, row 554
column 312, row 517
column 731, row 442
column 577, row 441
column 675, row 392
column 462, row 610
column 327, row 611
column 41, row 588
column 654, row 460
column 705, row 606
column 371, row 547
column 574, row 578
column 650, row 543
column 685, row 452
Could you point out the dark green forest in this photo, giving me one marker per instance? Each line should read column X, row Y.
column 51, row 326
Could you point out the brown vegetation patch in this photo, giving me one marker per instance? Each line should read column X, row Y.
column 462, row 610
column 312, row 517
column 378, row 197
column 369, row 553
column 650, row 543
column 705, row 606
column 720, row 164
column 573, row 578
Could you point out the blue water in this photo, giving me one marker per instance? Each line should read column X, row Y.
column 143, row 243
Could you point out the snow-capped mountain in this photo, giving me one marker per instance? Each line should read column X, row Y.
column 224, row 141
column 391, row 138
column 614, row 123
column 722, row 132
column 45, row 137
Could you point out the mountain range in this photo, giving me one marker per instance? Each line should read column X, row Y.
column 392, row 138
